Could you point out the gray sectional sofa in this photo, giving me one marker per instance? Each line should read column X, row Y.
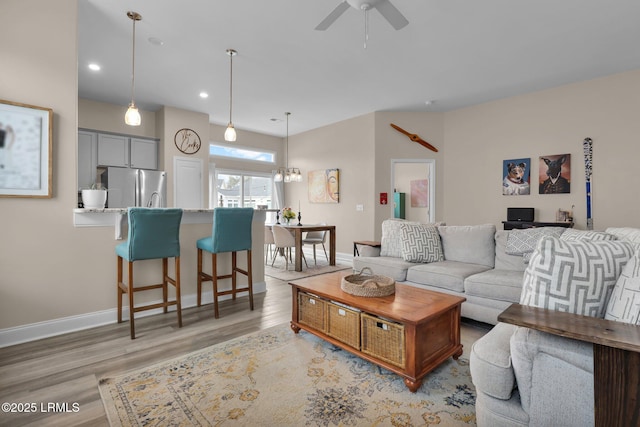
column 474, row 264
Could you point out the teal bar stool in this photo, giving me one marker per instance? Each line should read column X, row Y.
column 154, row 233
column 231, row 232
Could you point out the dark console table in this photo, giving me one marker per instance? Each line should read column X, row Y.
column 616, row 358
column 510, row 225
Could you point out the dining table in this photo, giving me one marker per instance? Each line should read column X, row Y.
column 298, row 230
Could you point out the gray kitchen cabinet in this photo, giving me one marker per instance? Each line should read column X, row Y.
column 113, row 150
column 144, row 153
column 87, row 158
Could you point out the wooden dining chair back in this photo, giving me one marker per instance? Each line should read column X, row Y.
column 231, row 232
column 154, row 233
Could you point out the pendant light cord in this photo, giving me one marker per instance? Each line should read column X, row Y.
column 133, row 60
column 231, row 53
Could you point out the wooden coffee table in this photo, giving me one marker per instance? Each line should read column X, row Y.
column 409, row 333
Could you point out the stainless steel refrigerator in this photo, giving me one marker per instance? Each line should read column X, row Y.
column 135, row 187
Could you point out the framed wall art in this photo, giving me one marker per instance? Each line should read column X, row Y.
column 324, row 186
column 516, row 177
column 419, row 193
column 555, row 174
column 26, row 133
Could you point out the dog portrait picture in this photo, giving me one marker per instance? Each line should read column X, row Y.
column 555, row 174
column 516, row 177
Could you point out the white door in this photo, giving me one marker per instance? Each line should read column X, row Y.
column 187, row 183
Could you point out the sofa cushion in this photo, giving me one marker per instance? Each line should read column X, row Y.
column 469, row 243
column 490, row 362
column 505, row 261
column 444, row 274
column 624, row 304
column 501, row 285
column 631, row 235
column 395, row 268
column 576, row 277
column 571, row 235
column 420, row 243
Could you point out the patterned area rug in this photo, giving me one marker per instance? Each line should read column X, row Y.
column 278, row 270
column 277, row 378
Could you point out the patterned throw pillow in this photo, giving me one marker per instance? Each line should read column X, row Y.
column 572, row 235
column 576, row 277
column 624, row 304
column 521, row 242
column 420, row 243
column 391, row 242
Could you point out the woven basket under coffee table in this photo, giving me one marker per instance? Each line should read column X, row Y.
column 409, row 332
column 368, row 285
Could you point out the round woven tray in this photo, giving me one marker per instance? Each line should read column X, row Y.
column 368, row 285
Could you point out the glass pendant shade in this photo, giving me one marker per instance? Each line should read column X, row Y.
column 278, row 176
column 132, row 116
column 230, row 133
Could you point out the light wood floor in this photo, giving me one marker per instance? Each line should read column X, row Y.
column 67, row 368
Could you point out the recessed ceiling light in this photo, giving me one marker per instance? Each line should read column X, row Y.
column 204, row 95
column 155, row 41
column 94, row 67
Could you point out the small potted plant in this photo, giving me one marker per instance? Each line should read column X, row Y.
column 288, row 214
column 94, row 197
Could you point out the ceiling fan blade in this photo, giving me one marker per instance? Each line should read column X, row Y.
column 339, row 10
column 391, row 14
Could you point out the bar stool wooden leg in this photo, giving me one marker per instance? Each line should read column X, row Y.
column 131, row 308
column 177, row 285
column 199, row 277
column 214, row 279
column 250, row 279
column 165, row 284
column 119, row 284
column 234, row 269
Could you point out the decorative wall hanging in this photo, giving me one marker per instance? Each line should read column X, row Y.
column 187, row 141
column 324, row 186
column 555, row 174
column 26, row 133
column 420, row 193
column 415, row 138
column 516, row 177
column 587, row 147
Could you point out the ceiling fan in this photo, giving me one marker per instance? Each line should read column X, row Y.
column 386, row 9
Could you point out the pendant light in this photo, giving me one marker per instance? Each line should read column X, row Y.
column 287, row 174
column 230, row 133
column 132, row 117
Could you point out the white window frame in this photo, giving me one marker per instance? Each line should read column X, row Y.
column 243, row 159
column 213, row 188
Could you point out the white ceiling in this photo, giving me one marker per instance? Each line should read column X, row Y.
column 454, row 52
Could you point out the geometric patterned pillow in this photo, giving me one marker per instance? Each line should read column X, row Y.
column 519, row 242
column 391, row 242
column 571, row 235
column 624, row 303
column 576, row 276
column 421, row 243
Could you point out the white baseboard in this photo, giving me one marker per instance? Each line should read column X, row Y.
column 50, row 328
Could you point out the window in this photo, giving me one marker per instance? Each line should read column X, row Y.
column 241, row 189
column 235, row 152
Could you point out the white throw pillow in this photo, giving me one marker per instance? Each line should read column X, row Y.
column 571, row 235
column 420, row 243
column 391, row 242
column 624, row 304
column 523, row 242
column 576, row 276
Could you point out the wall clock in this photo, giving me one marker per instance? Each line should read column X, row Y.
column 187, row 141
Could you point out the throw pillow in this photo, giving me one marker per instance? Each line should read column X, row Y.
column 391, row 241
column 571, row 235
column 521, row 242
column 576, row 276
column 624, row 304
column 420, row 243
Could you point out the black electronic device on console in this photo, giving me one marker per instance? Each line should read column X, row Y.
column 520, row 214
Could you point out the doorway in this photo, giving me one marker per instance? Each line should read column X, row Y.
column 413, row 182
